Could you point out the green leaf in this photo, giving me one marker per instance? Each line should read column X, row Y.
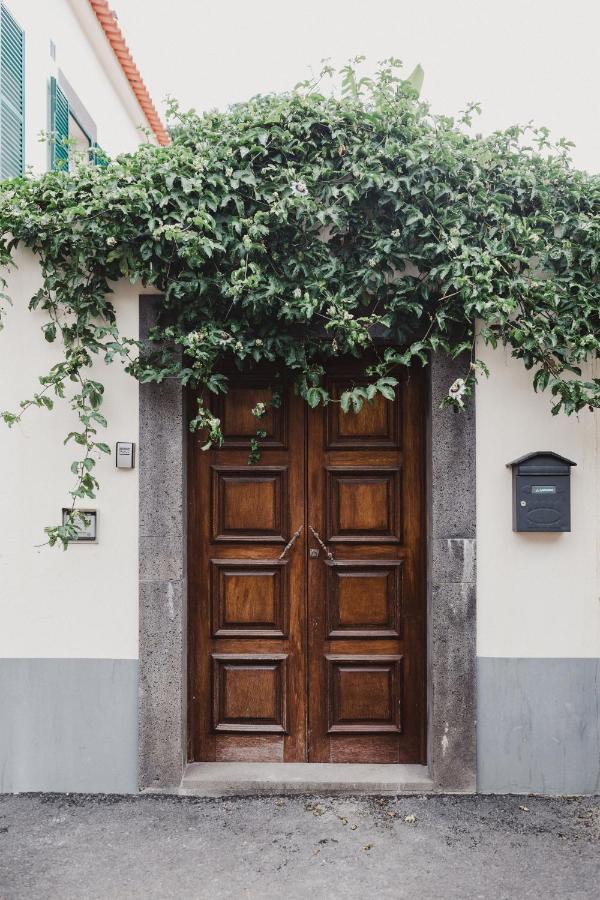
column 416, row 78
column 313, row 397
column 49, row 330
column 291, row 230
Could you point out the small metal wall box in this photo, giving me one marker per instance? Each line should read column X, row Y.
column 541, row 492
column 125, row 455
column 87, row 529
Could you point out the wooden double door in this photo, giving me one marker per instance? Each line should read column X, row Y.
column 307, row 581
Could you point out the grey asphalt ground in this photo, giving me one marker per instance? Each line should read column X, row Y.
column 456, row 848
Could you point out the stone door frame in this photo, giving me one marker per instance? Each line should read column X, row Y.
column 451, row 588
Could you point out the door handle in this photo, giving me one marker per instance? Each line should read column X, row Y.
column 323, row 546
column 291, row 541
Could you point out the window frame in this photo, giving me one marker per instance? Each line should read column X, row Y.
column 76, row 110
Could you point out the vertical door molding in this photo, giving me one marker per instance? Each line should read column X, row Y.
column 162, row 708
column 452, row 587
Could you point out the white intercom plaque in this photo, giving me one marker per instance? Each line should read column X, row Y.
column 125, row 455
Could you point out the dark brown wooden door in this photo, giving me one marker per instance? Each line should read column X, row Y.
column 315, row 652
column 366, row 587
column 247, row 601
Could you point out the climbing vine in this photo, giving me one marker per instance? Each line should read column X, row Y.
column 295, row 228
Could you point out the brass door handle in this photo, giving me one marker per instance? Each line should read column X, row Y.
column 323, row 546
column 291, row 541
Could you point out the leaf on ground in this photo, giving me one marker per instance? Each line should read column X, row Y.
column 315, row 808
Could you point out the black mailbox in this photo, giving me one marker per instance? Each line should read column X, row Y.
column 542, row 492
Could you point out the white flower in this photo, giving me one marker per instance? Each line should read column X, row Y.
column 258, row 342
column 247, row 242
column 457, row 387
column 259, row 411
column 396, row 233
column 297, row 293
column 299, row 188
column 238, row 345
column 111, row 241
column 457, row 390
column 372, row 262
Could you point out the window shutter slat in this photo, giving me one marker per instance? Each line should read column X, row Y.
column 12, row 96
column 99, row 156
column 59, row 126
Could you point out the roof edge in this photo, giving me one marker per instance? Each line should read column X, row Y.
column 115, row 38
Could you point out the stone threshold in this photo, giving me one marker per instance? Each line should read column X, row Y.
column 217, row 779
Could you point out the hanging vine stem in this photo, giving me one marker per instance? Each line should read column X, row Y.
column 361, row 211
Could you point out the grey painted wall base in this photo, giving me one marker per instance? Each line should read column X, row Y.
column 538, row 726
column 68, row 725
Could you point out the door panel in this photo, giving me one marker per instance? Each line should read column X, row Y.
column 363, row 693
column 249, row 503
column 320, row 655
column 247, row 605
column 249, row 692
column 364, row 599
column 363, row 505
column 366, row 602
column 249, row 598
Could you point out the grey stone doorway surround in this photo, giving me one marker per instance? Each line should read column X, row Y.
column 163, row 582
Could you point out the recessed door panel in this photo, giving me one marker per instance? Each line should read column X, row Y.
column 376, row 425
column 249, row 692
column 250, row 504
column 363, row 505
column 239, row 425
column 364, row 599
column 249, row 598
column 363, row 693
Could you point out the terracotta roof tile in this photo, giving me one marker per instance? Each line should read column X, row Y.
column 116, row 40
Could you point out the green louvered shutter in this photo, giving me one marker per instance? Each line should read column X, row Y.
column 99, row 157
column 12, row 96
column 59, row 127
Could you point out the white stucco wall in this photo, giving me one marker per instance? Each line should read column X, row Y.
column 538, row 595
column 81, row 603
column 86, row 59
